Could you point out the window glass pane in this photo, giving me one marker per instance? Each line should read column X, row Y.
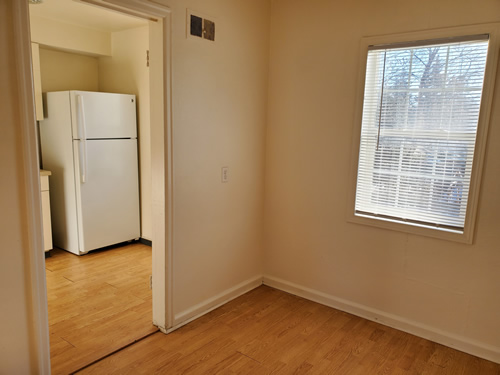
column 420, row 115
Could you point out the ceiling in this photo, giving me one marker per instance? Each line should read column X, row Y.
column 85, row 15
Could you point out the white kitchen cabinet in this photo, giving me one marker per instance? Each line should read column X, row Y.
column 46, row 221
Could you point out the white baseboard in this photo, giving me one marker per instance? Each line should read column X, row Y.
column 210, row 304
column 463, row 344
column 451, row 340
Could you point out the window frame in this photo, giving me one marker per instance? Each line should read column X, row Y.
column 493, row 30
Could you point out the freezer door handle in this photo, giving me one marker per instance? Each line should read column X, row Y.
column 83, row 140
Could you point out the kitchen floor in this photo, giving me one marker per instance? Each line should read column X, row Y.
column 98, row 303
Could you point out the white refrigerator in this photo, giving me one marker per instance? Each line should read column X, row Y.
column 89, row 143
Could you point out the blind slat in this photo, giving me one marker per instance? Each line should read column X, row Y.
column 420, row 115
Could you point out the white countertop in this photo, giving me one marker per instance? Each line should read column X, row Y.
column 45, row 173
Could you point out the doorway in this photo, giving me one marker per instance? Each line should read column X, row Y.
column 161, row 170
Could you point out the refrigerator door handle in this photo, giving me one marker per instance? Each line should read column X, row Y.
column 83, row 127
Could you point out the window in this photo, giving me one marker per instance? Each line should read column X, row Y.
column 418, row 139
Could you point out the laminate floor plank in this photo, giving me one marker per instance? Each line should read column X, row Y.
column 267, row 331
column 98, row 303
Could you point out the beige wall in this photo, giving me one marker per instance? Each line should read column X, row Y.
column 16, row 356
column 72, row 38
column 219, row 112
column 126, row 72
column 219, row 117
column 313, row 68
column 62, row 71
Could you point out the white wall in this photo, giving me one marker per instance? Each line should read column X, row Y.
column 126, row 72
column 443, row 285
column 219, row 117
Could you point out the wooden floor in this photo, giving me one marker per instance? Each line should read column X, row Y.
column 270, row 332
column 97, row 303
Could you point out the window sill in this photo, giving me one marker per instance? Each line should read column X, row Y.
column 413, row 228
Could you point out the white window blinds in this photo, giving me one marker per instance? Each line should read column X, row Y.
column 420, row 116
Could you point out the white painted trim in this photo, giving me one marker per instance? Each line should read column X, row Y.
column 158, row 189
column 169, row 162
column 33, row 243
column 451, row 340
column 214, row 302
column 162, row 183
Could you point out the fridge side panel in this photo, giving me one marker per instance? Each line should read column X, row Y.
column 110, row 193
column 57, row 157
column 105, row 115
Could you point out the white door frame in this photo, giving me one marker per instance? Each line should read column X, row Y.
column 161, row 156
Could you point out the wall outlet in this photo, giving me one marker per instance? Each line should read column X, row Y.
column 225, row 174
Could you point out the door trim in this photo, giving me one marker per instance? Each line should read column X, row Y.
column 161, row 150
column 33, row 240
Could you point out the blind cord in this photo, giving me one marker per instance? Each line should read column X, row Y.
column 381, row 100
